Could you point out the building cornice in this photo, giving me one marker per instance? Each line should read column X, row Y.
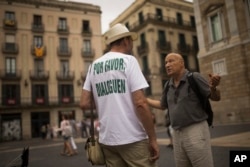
column 136, row 6
column 59, row 4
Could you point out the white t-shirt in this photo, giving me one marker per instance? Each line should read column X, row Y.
column 113, row 78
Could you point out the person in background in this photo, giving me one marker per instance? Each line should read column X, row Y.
column 116, row 83
column 74, row 130
column 66, row 130
column 191, row 136
column 43, row 131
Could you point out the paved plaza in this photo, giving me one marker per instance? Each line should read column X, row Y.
column 47, row 152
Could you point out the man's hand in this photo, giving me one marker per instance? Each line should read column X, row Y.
column 214, row 80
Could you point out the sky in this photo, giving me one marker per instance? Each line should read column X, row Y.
column 110, row 9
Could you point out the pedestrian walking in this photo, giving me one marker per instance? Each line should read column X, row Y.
column 115, row 80
column 191, row 136
column 66, row 130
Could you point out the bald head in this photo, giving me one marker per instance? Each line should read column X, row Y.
column 174, row 64
column 176, row 56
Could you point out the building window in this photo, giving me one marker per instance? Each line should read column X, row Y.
column 40, row 94
column 182, row 40
column 10, row 94
column 192, row 21
column 39, row 67
column 219, row 67
column 87, row 46
column 9, row 15
column 38, row 41
column 39, row 91
column 10, row 66
column 216, row 27
column 62, row 24
column 37, row 20
column 10, row 42
column 64, row 68
column 159, row 15
column 86, row 66
column 143, row 40
column 179, row 18
column 162, row 37
column 63, row 44
column 141, row 18
column 85, row 25
column 247, row 9
column 248, row 6
column 66, row 93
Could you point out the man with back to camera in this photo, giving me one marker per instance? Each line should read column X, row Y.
column 191, row 136
column 127, row 133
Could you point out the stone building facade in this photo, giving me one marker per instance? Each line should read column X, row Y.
column 223, row 29
column 46, row 48
column 163, row 26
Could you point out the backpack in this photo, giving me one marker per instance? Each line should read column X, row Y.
column 203, row 100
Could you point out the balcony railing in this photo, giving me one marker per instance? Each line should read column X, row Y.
column 10, row 74
column 164, row 46
column 10, row 24
column 39, row 75
column 64, row 51
column 87, row 33
column 39, row 101
column 163, row 20
column 10, row 101
column 142, row 49
column 10, row 48
column 183, row 48
column 38, row 28
column 63, row 30
column 88, row 53
column 65, row 75
column 38, row 51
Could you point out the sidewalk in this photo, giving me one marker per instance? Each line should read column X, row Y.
column 239, row 139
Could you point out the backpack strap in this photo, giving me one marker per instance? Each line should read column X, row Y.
column 203, row 100
column 164, row 94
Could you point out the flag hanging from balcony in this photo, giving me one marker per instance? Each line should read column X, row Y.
column 39, row 51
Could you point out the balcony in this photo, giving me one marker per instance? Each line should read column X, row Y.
column 9, row 24
column 38, row 51
column 163, row 46
column 10, row 48
column 27, row 102
column 10, row 101
column 65, row 75
column 88, row 53
column 64, row 51
column 66, row 100
column 151, row 18
column 40, row 101
column 39, row 75
column 38, row 28
column 63, row 30
column 86, row 33
column 142, row 49
column 10, row 74
column 183, row 48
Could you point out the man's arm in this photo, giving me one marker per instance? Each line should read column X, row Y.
column 155, row 103
column 214, row 80
column 144, row 115
column 85, row 101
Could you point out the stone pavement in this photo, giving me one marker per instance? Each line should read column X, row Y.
column 241, row 139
